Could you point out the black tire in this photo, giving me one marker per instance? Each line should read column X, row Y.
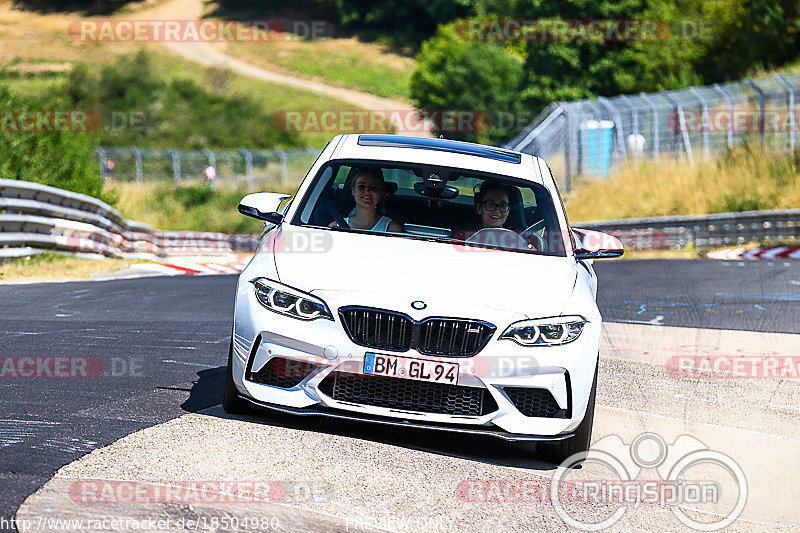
column 558, row 452
column 232, row 402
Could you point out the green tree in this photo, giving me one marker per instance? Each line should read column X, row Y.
column 458, row 75
column 63, row 159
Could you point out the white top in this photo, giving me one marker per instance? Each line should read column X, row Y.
column 381, row 225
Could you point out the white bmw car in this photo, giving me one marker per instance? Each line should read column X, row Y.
column 422, row 283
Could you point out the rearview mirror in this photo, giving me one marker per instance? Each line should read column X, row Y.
column 263, row 206
column 597, row 245
column 445, row 192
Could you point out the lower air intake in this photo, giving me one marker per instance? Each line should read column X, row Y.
column 283, row 373
column 408, row 395
column 535, row 402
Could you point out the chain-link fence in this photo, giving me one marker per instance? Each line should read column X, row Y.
column 592, row 137
column 239, row 167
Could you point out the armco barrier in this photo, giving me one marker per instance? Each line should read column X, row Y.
column 35, row 217
column 702, row 231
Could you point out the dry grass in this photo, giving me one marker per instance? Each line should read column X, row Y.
column 662, row 254
column 31, row 37
column 742, row 180
column 164, row 207
column 51, row 266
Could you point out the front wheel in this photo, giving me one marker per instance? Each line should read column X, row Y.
column 558, row 452
column 232, row 402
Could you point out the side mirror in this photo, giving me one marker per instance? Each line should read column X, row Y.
column 597, row 245
column 263, row 206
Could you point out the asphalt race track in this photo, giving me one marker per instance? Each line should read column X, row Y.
column 741, row 295
column 150, row 350
column 161, row 342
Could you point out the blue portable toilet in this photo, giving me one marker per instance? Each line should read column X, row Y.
column 596, row 138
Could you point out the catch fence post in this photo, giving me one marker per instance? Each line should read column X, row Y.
column 567, row 148
column 728, row 98
column 284, row 166
column 620, row 133
column 760, row 93
column 138, row 159
column 656, row 133
column 102, row 153
column 687, row 143
column 248, row 166
column 705, row 121
column 212, row 162
column 792, row 120
column 176, row 167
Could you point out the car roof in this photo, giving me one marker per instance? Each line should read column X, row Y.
column 444, row 152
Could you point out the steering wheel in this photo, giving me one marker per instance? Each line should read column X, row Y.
column 342, row 223
column 499, row 237
column 531, row 231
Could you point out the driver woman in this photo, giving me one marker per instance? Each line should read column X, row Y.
column 368, row 190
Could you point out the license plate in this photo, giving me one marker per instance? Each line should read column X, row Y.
column 410, row 368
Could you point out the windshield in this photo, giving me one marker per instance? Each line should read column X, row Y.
column 435, row 203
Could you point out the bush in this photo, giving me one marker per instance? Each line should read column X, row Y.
column 59, row 158
column 459, row 75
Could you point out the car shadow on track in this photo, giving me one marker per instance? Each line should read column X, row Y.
column 206, row 392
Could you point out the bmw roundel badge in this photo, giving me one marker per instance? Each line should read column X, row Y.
column 418, row 305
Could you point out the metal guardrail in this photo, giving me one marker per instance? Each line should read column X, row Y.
column 702, row 231
column 36, row 217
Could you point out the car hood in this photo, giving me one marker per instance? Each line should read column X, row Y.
column 389, row 271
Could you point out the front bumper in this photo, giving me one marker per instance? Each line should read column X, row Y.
column 323, row 412
column 565, row 371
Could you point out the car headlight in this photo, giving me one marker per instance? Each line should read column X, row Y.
column 288, row 301
column 545, row 331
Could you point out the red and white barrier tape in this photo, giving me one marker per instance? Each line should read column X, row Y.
column 771, row 252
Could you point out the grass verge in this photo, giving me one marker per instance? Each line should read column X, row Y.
column 191, row 207
column 53, row 266
column 634, row 255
